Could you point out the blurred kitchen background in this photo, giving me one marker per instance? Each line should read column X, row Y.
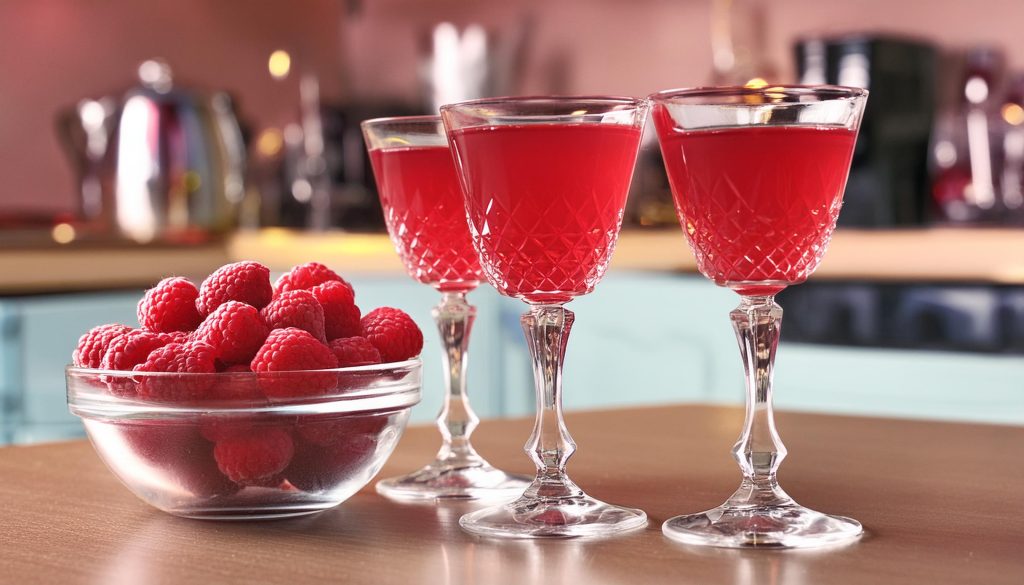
column 140, row 140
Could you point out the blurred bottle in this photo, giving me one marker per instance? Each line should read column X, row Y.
column 739, row 34
column 1012, row 130
column 888, row 182
column 966, row 151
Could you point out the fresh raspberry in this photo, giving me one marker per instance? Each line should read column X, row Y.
column 240, row 385
column 325, row 430
column 341, row 315
column 177, row 336
column 246, row 282
column 180, row 454
column 194, row 357
column 296, row 308
column 124, row 353
column 306, row 276
column 93, row 345
column 254, row 458
column 393, row 333
column 131, row 349
column 354, row 351
column 320, row 469
column 220, row 427
column 235, row 330
column 170, row 306
column 294, row 349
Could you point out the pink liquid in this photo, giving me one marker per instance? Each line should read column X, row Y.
column 545, row 203
column 426, row 216
column 758, row 204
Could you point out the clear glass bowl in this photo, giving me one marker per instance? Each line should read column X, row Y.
column 214, row 446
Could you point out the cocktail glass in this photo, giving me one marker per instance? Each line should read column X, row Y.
column 426, row 219
column 758, row 176
column 545, row 183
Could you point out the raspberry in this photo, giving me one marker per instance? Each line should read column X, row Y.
column 294, row 349
column 254, row 458
column 240, row 385
column 235, row 330
column 393, row 333
column 124, row 353
column 306, row 276
column 354, row 351
column 194, row 357
column 181, row 454
column 131, row 349
column 246, row 282
column 341, row 315
column 92, row 345
column 325, row 430
column 170, row 306
column 320, row 469
column 296, row 308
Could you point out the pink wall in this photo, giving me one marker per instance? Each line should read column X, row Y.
column 57, row 51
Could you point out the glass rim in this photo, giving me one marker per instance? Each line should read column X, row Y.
column 88, row 400
column 417, row 119
column 825, row 91
column 555, row 99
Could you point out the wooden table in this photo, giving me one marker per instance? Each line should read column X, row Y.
column 942, row 503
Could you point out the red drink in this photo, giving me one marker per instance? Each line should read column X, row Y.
column 758, row 203
column 545, row 203
column 426, row 217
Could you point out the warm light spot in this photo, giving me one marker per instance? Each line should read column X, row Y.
column 192, row 181
column 397, row 140
column 578, row 113
column 63, row 233
column 1013, row 114
column 279, row 64
column 269, row 142
column 756, row 83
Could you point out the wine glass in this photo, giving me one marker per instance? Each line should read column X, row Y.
column 426, row 219
column 545, row 183
column 758, row 176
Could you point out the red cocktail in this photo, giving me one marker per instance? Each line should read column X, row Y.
column 545, row 183
column 426, row 217
column 545, row 202
column 758, row 203
column 423, row 207
column 758, row 178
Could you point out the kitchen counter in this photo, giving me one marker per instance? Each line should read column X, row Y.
column 926, row 255
column 938, row 500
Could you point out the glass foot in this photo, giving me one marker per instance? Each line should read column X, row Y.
column 781, row 526
column 441, row 481
column 566, row 517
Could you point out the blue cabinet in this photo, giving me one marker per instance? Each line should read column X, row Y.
column 639, row 339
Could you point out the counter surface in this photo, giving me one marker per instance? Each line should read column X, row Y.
column 942, row 503
column 925, row 255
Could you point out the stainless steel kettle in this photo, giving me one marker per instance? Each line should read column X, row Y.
column 158, row 162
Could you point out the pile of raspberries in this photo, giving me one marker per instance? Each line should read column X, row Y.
column 237, row 321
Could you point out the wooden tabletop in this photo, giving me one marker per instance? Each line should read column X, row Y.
column 942, row 503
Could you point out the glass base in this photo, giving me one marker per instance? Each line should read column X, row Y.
column 443, row 481
column 575, row 516
column 782, row 526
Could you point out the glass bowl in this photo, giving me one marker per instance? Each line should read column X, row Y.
column 215, row 446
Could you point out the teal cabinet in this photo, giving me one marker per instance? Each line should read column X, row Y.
column 639, row 339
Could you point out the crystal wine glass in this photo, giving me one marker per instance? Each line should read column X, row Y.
column 426, row 218
column 758, row 176
column 545, row 183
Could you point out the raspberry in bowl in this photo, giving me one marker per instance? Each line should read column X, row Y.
column 214, row 445
column 239, row 399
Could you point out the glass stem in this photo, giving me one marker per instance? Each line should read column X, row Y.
column 454, row 317
column 759, row 450
column 550, row 446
